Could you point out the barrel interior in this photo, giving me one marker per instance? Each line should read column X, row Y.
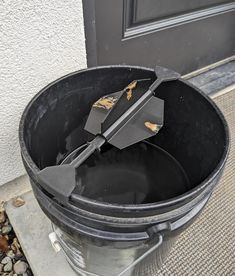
column 193, row 135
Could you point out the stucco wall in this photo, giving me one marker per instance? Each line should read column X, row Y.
column 40, row 40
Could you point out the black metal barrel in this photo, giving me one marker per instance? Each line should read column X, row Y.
column 132, row 233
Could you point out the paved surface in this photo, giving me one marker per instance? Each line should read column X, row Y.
column 15, row 188
column 207, row 248
column 32, row 229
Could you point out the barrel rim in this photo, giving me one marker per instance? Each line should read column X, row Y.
column 130, row 207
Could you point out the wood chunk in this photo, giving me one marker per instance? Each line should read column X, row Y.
column 129, row 89
column 153, row 127
column 105, row 102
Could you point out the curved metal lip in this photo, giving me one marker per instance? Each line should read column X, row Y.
column 130, row 207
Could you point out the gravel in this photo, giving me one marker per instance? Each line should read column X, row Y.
column 8, row 267
column 20, row 267
column 12, row 259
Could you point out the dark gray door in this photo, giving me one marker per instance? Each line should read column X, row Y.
column 184, row 35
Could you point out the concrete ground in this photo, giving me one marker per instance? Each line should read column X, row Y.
column 15, row 188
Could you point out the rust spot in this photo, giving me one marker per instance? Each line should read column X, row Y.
column 129, row 89
column 153, row 127
column 105, row 102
